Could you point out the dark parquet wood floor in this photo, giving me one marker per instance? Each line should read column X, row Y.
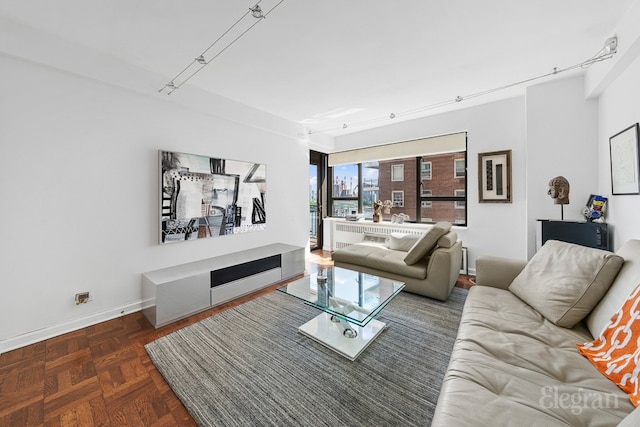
column 100, row 375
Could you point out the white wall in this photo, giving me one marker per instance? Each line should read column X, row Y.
column 562, row 139
column 619, row 110
column 79, row 182
column 617, row 83
column 493, row 228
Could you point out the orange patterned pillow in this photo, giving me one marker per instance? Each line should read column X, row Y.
column 616, row 352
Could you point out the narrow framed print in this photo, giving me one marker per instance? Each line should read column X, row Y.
column 494, row 177
column 625, row 162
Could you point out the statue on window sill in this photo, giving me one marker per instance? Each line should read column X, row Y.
column 378, row 206
column 377, row 211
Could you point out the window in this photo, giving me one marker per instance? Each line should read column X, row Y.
column 428, row 187
column 445, row 198
column 344, row 190
column 370, row 189
column 397, row 199
column 459, row 167
column 425, row 170
column 397, row 173
column 426, row 203
column 460, row 204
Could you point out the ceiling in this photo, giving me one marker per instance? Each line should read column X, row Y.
column 328, row 63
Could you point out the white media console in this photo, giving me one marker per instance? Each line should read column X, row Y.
column 173, row 293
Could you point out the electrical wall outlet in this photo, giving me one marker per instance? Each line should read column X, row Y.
column 82, row 297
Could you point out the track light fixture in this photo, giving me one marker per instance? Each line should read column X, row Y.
column 610, row 46
column 199, row 62
column 256, row 12
column 608, row 50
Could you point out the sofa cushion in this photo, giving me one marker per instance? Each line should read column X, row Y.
column 402, row 242
column 376, row 238
column 380, row 258
column 564, row 281
column 512, row 366
column 448, row 240
column 427, row 242
column 625, row 282
column 616, row 351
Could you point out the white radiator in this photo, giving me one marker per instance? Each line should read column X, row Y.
column 348, row 233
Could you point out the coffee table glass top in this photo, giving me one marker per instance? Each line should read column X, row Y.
column 346, row 294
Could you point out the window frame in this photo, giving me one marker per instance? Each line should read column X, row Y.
column 395, row 168
column 427, row 203
column 442, row 198
column 459, row 204
column 461, row 201
column 455, row 168
column 422, row 171
column 393, row 202
column 332, row 198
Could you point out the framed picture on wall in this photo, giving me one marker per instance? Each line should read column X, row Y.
column 494, row 177
column 464, row 263
column 202, row 196
column 625, row 162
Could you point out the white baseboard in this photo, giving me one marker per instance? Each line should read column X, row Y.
column 70, row 326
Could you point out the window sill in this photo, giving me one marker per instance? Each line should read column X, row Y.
column 390, row 224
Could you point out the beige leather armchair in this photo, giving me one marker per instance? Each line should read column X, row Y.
column 430, row 271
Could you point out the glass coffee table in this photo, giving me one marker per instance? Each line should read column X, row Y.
column 349, row 301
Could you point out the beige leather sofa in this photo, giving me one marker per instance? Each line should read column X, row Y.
column 429, row 265
column 515, row 360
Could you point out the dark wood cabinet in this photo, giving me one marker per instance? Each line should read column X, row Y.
column 591, row 234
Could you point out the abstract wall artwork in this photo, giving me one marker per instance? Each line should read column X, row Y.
column 204, row 196
column 625, row 163
column 494, row 177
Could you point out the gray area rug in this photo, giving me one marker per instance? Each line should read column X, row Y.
column 248, row 366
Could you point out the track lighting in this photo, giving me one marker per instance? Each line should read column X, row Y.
column 610, row 46
column 199, row 62
column 608, row 50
